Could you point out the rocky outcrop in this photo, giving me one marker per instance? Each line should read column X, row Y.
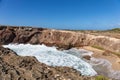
column 6, row 36
column 14, row 67
column 60, row 38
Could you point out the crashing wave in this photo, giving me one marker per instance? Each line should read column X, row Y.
column 53, row 57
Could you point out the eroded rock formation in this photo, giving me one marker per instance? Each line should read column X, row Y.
column 60, row 38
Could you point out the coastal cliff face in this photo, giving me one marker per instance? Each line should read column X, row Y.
column 60, row 38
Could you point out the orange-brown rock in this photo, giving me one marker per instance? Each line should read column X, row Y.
column 60, row 38
column 6, row 36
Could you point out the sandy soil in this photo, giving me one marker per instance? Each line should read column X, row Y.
column 115, row 60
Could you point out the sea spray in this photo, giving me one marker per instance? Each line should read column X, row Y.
column 53, row 57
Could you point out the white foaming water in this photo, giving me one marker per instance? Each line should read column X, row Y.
column 53, row 57
column 104, row 67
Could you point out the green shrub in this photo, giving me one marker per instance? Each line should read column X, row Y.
column 101, row 78
column 115, row 30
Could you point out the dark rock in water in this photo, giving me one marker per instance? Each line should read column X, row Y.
column 87, row 57
column 14, row 67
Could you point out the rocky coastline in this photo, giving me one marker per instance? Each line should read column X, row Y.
column 15, row 67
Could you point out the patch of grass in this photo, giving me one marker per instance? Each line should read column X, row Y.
column 101, row 78
column 118, row 54
column 115, row 30
column 98, row 47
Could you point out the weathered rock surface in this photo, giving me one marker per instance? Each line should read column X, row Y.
column 60, row 38
column 14, row 67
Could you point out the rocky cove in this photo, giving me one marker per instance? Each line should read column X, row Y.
column 63, row 40
column 60, row 38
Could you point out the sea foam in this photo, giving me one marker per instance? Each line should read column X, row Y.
column 53, row 57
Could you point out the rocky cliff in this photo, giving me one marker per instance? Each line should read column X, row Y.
column 14, row 67
column 60, row 38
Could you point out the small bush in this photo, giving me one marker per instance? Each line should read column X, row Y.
column 115, row 30
column 101, row 78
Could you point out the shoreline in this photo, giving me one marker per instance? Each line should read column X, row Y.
column 112, row 58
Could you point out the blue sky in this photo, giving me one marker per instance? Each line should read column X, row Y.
column 61, row 14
